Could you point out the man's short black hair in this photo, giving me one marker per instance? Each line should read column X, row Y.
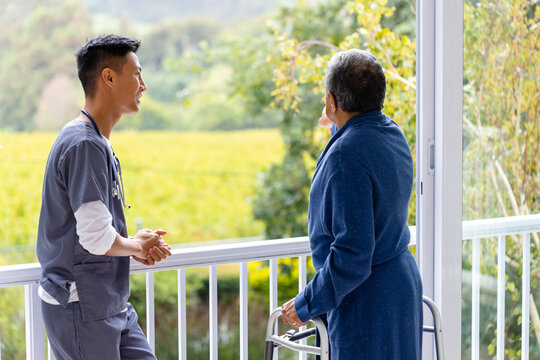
column 104, row 51
column 357, row 81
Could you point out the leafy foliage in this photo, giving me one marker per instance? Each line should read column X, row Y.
column 155, row 11
column 40, row 37
column 47, row 33
column 306, row 37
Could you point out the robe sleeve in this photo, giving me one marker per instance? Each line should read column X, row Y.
column 348, row 212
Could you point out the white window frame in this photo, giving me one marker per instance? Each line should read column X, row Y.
column 439, row 64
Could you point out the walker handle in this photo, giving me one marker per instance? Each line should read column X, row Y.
column 273, row 340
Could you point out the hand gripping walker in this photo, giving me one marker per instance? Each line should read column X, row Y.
column 289, row 339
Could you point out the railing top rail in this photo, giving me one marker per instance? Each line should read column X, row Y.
column 229, row 253
column 501, row 226
column 14, row 275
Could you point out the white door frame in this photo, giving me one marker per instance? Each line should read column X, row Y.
column 439, row 64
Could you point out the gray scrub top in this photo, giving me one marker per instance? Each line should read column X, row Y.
column 79, row 170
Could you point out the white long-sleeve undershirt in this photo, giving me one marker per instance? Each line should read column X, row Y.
column 94, row 227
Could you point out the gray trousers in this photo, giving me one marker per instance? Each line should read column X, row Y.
column 115, row 337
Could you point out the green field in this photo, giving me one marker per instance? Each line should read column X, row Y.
column 197, row 186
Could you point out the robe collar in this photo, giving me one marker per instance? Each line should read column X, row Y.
column 369, row 118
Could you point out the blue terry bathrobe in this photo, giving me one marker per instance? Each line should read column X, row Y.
column 367, row 280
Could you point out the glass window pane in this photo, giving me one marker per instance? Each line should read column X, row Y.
column 500, row 180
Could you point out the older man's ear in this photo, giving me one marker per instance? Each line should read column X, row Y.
column 331, row 102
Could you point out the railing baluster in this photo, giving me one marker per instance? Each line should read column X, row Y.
column 212, row 283
column 273, row 284
column 302, row 278
column 244, row 311
column 302, row 272
column 526, row 284
column 475, row 327
column 274, row 293
column 501, row 291
column 150, row 311
column 182, row 343
column 35, row 328
column 28, row 274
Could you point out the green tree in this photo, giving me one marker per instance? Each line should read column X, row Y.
column 39, row 47
column 171, row 38
column 306, row 38
column 229, row 82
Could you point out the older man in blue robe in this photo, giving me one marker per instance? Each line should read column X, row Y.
column 367, row 281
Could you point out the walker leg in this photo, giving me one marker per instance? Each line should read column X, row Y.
column 269, row 351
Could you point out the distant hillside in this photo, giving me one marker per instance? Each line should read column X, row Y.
column 225, row 11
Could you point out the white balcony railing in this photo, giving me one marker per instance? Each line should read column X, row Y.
column 27, row 275
column 500, row 228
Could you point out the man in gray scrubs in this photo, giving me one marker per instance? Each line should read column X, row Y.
column 83, row 245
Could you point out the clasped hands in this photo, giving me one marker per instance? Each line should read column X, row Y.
column 153, row 248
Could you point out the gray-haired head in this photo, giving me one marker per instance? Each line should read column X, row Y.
column 357, row 81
